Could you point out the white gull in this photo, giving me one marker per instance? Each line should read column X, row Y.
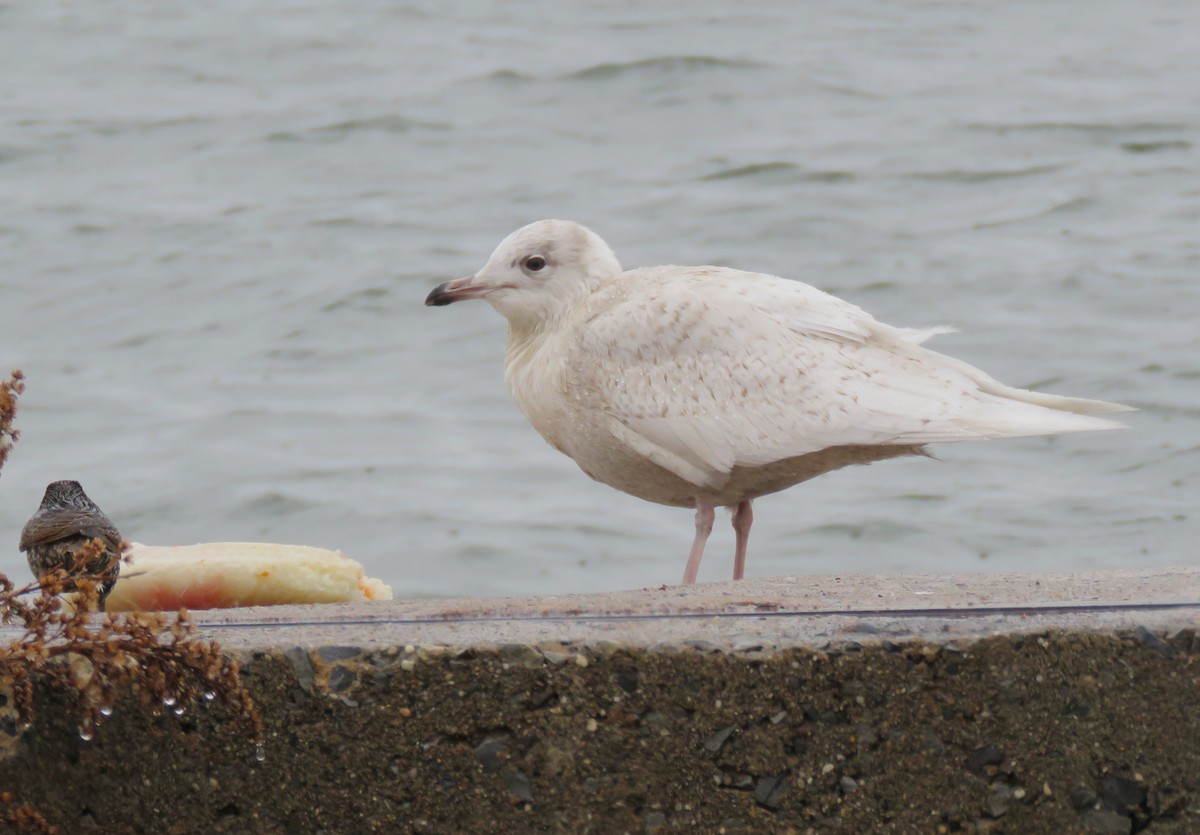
column 706, row 386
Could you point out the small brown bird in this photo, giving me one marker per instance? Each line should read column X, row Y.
column 66, row 521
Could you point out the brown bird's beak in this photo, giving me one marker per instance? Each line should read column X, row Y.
column 456, row 291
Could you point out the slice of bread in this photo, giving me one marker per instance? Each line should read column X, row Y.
column 219, row 575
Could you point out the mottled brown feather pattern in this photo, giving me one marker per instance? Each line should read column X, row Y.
column 66, row 521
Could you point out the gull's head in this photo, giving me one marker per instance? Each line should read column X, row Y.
column 536, row 273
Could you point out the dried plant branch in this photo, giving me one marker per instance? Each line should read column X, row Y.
column 158, row 657
column 9, row 391
column 94, row 658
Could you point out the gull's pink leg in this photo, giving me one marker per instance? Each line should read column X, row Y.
column 743, row 518
column 704, row 522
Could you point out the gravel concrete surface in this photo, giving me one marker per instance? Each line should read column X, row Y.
column 974, row 703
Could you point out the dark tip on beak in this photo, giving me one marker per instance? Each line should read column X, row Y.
column 456, row 291
column 440, row 296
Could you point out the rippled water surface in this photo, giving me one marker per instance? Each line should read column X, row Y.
column 218, row 223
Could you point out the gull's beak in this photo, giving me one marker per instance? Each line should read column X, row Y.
column 457, row 290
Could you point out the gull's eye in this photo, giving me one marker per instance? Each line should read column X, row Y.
column 534, row 263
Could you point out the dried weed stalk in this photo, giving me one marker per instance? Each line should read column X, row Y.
column 159, row 658
column 93, row 658
column 9, row 391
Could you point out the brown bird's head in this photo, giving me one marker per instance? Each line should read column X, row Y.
column 66, row 495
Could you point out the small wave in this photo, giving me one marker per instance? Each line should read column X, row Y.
column 148, row 125
column 8, row 153
column 68, row 127
column 876, row 286
column 962, row 175
column 340, row 130
column 1065, row 207
column 365, row 299
column 135, row 341
column 1151, row 147
column 274, row 504
column 780, row 171
column 507, row 77
column 389, row 124
column 354, row 222
column 667, row 63
column 1113, row 128
column 829, row 176
column 1158, row 460
column 877, row 530
column 340, row 222
column 852, row 92
column 291, row 354
column 1068, row 206
column 756, row 169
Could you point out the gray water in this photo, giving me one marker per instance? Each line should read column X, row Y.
column 218, row 222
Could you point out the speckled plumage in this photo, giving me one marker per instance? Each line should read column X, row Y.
column 706, row 386
column 66, row 521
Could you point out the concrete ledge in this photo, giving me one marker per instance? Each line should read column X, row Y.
column 973, row 703
column 776, row 613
